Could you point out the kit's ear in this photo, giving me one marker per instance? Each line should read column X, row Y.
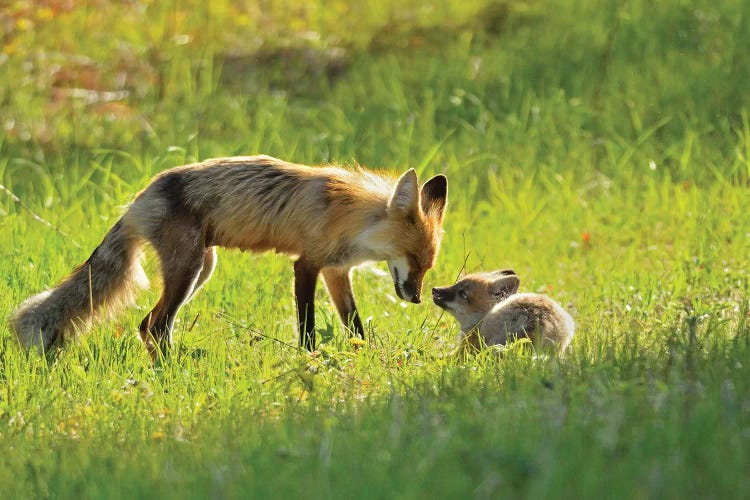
column 503, row 284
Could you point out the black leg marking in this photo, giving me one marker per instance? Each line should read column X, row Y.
column 305, row 279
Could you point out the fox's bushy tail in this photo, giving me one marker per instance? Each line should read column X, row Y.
column 103, row 284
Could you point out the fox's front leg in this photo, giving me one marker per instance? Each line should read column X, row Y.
column 339, row 283
column 305, row 279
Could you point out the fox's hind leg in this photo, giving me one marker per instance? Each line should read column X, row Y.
column 182, row 256
column 339, row 284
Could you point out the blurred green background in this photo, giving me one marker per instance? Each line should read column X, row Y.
column 599, row 148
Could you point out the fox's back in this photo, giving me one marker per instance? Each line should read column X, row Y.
column 260, row 203
column 526, row 314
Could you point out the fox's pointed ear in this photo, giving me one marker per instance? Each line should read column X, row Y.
column 435, row 196
column 503, row 284
column 405, row 198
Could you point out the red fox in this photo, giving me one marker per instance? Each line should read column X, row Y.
column 331, row 218
column 488, row 305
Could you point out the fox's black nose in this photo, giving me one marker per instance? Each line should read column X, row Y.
column 441, row 296
column 415, row 299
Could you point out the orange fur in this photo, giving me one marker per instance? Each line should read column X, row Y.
column 330, row 218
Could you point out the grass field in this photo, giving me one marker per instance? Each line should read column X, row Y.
column 600, row 149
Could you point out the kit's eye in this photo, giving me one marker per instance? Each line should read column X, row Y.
column 463, row 294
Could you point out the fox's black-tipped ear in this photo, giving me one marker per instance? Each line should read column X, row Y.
column 405, row 198
column 435, row 196
column 504, row 284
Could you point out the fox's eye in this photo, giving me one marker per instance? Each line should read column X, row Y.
column 463, row 294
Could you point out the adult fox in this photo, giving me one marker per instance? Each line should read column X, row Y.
column 331, row 218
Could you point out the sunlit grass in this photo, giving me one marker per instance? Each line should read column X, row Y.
column 602, row 151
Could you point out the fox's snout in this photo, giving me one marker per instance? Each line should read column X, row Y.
column 411, row 290
column 408, row 291
column 406, row 280
column 441, row 295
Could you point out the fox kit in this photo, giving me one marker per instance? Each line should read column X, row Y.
column 331, row 218
column 487, row 304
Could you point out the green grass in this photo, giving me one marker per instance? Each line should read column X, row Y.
column 600, row 149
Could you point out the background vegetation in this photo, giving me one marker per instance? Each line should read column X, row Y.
column 599, row 148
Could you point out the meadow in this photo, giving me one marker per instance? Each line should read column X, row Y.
column 601, row 149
